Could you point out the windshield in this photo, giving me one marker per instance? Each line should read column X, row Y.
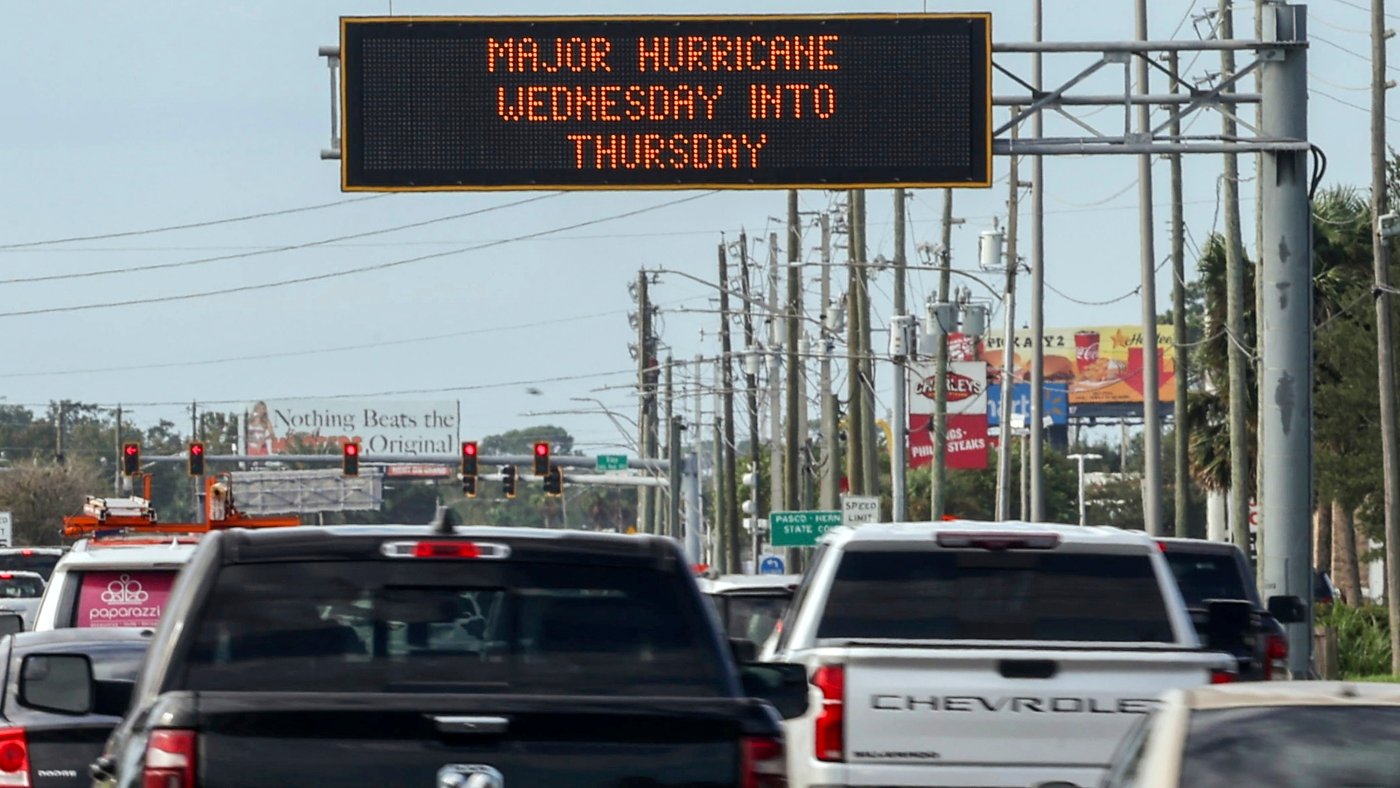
column 42, row 563
column 1293, row 747
column 982, row 595
column 413, row 626
column 20, row 586
column 1203, row 577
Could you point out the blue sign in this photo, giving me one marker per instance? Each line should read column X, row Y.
column 771, row 565
column 1055, row 403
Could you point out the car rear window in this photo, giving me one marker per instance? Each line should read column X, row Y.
column 20, row 586
column 752, row 617
column 1203, row 577
column 43, row 563
column 451, row 626
column 132, row 598
column 1293, row 746
column 1002, row 595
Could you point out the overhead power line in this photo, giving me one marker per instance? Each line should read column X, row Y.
column 351, row 271
column 275, row 249
column 192, row 225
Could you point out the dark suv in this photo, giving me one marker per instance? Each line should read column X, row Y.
column 1218, row 572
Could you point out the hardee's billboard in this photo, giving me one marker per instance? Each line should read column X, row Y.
column 1100, row 364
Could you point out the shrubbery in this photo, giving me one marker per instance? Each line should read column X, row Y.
column 1363, row 638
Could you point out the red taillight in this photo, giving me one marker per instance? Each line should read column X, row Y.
column 14, row 757
column 1275, row 656
column 990, row 540
column 764, row 766
column 446, row 550
column 830, row 733
column 26, row 552
column 7, row 576
column 170, row 760
column 1223, row 676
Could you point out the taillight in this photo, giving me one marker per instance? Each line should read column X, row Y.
column 763, row 762
column 14, row 757
column 1223, row 676
column 170, row 760
column 1275, row 656
column 993, row 540
column 830, row 734
column 444, row 548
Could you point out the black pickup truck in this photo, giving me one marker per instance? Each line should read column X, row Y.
column 446, row 657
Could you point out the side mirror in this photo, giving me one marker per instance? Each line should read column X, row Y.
column 10, row 623
column 1227, row 621
column 1288, row 609
column 744, row 651
column 59, row 683
column 782, row 684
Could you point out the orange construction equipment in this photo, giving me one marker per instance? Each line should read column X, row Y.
column 135, row 515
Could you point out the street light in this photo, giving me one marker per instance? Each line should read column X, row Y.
column 1081, row 458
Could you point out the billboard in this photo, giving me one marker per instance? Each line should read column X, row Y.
column 1099, row 365
column 828, row 101
column 311, row 426
column 965, row 443
column 1054, row 403
column 967, row 387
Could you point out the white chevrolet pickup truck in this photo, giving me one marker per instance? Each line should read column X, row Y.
column 960, row 653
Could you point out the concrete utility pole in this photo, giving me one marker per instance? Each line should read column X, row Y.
column 1151, row 419
column 796, row 403
column 938, row 482
column 855, row 392
column 899, row 453
column 1385, row 336
column 831, row 461
column 899, row 358
column 776, row 324
column 1234, row 308
column 719, row 513
column 870, row 468
column 752, row 363
column 1285, row 383
column 671, row 506
column 1008, row 352
column 730, row 528
column 1179, row 351
column 1259, row 13
column 1036, row 420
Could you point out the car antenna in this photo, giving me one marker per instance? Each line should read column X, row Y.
column 445, row 520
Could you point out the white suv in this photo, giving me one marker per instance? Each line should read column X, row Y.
column 113, row 582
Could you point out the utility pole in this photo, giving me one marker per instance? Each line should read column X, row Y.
column 646, row 384
column 752, row 359
column 870, row 468
column 1385, row 336
column 60, row 427
column 730, row 528
column 1008, row 352
column 719, row 512
column 1036, row 420
column 1152, row 424
column 855, row 419
column 1285, row 381
column 899, row 459
column 777, row 327
column 796, row 404
column 1259, row 417
column 117, row 456
column 1179, row 351
column 672, row 503
column 939, row 471
column 1234, row 308
column 831, row 462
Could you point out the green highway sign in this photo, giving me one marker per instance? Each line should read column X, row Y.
column 612, row 462
column 801, row 529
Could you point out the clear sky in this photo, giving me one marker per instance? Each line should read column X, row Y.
column 121, row 117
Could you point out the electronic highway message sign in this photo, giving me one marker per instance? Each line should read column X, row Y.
column 665, row 102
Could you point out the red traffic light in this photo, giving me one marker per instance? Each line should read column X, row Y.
column 468, row 458
column 196, row 459
column 352, row 449
column 541, row 458
column 350, row 458
column 131, row 458
column 469, row 449
column 197, row 449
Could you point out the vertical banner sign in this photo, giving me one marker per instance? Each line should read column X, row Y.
column 665, row 102
column 965, row 445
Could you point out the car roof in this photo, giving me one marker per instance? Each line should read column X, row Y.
column 741, row 584
column 1291, row 693
column 348, row 541
column 77, row 638
column 903, row 532
column 33, row 550
column 101, row 554
column 1176, row 543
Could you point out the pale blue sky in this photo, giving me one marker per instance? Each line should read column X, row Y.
column 133, row 115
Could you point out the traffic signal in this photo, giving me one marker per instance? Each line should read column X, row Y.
column 469, row 486
column 508, row 481
column 131, row 458
column 350, row 458
column 541, row 458
column 468, row 459
column 197, row 458
column 554, row 481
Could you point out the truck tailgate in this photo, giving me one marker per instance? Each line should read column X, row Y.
column 417, row 740
column 999, row 706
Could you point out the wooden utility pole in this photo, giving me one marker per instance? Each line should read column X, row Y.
column 1179, row 352
column 1234, row 309
column 1385, row 337
column 1008, row 348
column 753, row 361
column 938, row 480
column 831, row 461
column 730, row 527
column 796, row 404
column 855, row 418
